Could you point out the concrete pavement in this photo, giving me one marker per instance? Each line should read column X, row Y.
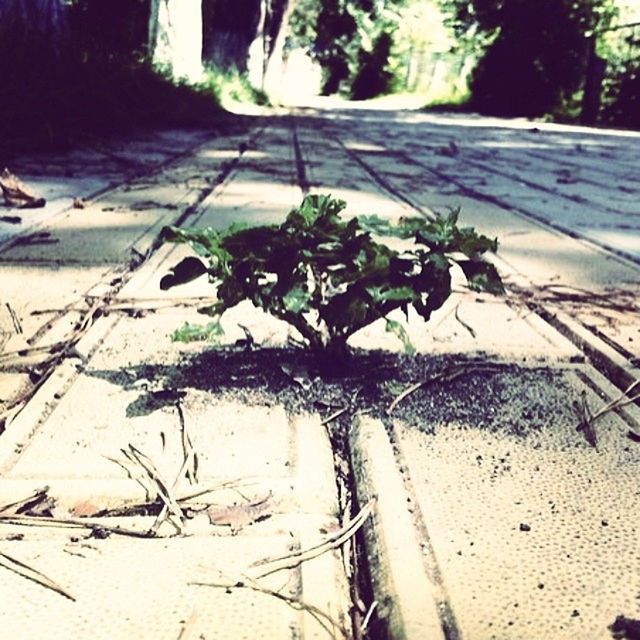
column 493, row 516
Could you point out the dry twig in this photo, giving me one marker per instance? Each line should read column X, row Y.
column 24, row 570
column 72, row 523
column 445, row 376
column 331, row 626
column 619, row 300
column 468, row 327
column 334, row 416
column 190, row 458
column 587, row 421
column 290, row 561
column 171, row 510
column 59, row 350
column 367, row 618
column 37, row 496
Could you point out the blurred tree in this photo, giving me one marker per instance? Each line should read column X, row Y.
column 114, row 30
column 533, row 53
column 70, row 67
column 351, row 39
column 31, row 32
column 33, row 47
column 232, row 26
column 621, row 99
column 44, row 17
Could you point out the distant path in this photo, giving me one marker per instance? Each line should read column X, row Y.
column 89, row 171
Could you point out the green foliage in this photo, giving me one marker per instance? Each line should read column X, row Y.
column 231, row 86
column 533, row 53
column 351, row 39
column 198, row 333
column 621, row 90
column 622, row 97
column 328, row 277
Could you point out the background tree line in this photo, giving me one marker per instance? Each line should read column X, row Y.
column 531, row 57
column 72, row 68
column 68, row 66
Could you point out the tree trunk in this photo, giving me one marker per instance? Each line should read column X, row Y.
column 42, row 23
column 175, row 37
column 266, row 54
column 237, row 30
column 230, row 26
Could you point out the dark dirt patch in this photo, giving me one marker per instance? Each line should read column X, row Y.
column 369, row 381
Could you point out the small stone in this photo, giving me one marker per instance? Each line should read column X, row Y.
column 524, row 527
column 575, row 613
column 605, row 523
column 540, row 586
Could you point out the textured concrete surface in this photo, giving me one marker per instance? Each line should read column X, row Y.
column 523, row 530
column 126, row 588
column 532, row 529
column 247, row 456
column 515, row 527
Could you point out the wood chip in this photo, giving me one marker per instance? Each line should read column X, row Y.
column 241, row 515
column 17, row 194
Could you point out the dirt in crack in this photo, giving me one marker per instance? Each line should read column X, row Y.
column 448, row 388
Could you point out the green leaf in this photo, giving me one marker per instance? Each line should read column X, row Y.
column 198, row 333
column 482, row 276
column 315, row 207
column 328, row 277
column 403, row 228
column 397, row 294
column 395, row 327
column 185, row 271
column 297, row 300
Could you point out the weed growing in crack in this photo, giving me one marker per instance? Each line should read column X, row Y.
column 328, row 277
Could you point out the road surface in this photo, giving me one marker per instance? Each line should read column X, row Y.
column 494, row 518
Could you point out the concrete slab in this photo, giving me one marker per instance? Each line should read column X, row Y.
column 91, row 236
column 84, row 173
column 408, row 594
column 468, row 323
column 531, row 529
column 125, row 394
column 125, row 588
column 37, row 292
column 540, row 254
column 251, row 198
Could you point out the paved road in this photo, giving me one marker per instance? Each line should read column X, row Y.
column 580, row 180
column 85, row 325
column 89, row 170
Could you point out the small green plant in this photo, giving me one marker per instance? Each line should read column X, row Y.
column 328, row 277
column 231, row 86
